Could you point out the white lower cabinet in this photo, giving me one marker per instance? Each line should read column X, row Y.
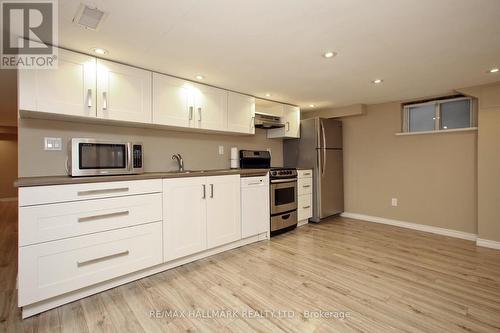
column 304, row 196
column 43, row 223
column 184, row 217
column 223, row 210
column 54, row 268
column 200, row 213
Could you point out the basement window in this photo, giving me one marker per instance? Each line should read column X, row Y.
column 446, row 114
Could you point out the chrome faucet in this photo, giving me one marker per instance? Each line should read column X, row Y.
column 180, row 161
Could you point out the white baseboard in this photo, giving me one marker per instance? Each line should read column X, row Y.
column 414, row 226
column 8, row 199
column 488, row 243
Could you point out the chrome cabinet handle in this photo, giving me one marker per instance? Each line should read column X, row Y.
column 199, row 114
column 254, row 183
column 204, row 192
column 89, row 98
column 96, row 260
column 288, row 126
column 104, row 100
column 190, row 113
column 306, row 186
column 307, row 174
column 305, row 207
column 253, row 122
column 211, row 190
column 103, row 216
column 103, row 191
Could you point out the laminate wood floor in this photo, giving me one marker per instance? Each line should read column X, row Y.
column 384, row 278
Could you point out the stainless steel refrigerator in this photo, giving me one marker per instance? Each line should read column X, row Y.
column 320, row 149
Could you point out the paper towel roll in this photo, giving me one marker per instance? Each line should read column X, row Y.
column 235, row 159
column 235, row 164
column 234, row 153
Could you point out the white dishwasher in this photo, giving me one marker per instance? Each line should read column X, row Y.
column 255, row 216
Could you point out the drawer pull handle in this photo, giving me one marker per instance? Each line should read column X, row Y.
column 108, row 257
column 305, row 207
column 255, row 183
column 103, row 216
column 305, row 186
column 103, row 191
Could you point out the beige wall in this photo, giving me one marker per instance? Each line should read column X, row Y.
column 433, row 176
column 488, row 159
column 200, row 151
column 8, row 133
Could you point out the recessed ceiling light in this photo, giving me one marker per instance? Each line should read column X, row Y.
column 494, row 70
column 268, row 95
column 329, row 54
column 377, row 81
column 312, row 105
column 199, row 77
column 100, row 51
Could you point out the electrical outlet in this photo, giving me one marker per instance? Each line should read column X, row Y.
column 394, row 202
column 52, row 144
column 221, row 150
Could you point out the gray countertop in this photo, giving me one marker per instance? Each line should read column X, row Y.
column 63, row 180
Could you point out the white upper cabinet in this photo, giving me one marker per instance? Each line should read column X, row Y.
column 223, row 210
column 173, row 101
column 123, row 92
column 240, row 113
column 69, row 90
column 210, row 108
column 291, row 119
column 269, row 107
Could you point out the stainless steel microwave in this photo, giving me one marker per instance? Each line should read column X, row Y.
column 93, row 157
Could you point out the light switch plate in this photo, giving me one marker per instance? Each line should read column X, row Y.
column 394, row 202
column 52, row 144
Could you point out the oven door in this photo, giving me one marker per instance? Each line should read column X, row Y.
column 91, row 157
column 283, row 195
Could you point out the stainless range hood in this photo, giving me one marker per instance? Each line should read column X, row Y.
column 266, row 121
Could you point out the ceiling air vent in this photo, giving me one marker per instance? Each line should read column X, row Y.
column 89, row 17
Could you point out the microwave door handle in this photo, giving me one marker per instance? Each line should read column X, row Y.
column 129, row 157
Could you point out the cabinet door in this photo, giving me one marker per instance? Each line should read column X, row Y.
column 70, row 89
column 223, row 210
column 291, row 118
column 292, row 121
column 184, row 217
column 123, row 92
column 211, row 108
column 240, row 113
column 173, row 101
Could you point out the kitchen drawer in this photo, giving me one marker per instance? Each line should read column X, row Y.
column 304, row 207
column 304, row 186
column 44, row 223
column 304, row 173
column 54, row 268
column 38, row 195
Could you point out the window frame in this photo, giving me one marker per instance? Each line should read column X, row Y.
column 437, row 114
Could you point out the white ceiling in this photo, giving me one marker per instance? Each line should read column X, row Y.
column 418, row 47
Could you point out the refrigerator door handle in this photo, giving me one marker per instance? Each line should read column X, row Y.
column 323, row 136
column 324, row 162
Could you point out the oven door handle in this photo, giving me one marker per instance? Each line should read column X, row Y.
column 275, row 181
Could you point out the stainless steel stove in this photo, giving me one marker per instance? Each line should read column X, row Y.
column 283, row 199
column 283, row 189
